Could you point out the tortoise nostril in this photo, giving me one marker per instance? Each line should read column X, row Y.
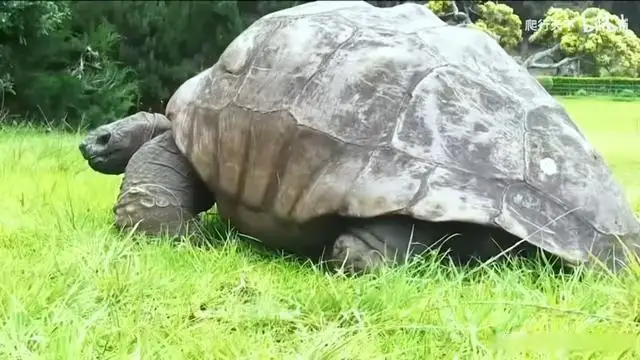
column 103, row 139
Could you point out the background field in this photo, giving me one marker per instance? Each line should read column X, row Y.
column 72, row 289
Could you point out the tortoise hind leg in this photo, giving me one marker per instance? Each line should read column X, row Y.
column 367, row 244
column 392, row 240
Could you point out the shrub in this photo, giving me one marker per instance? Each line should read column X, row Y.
column 581, row 92
column 546, row 82
column 59, row 72
column 564, row 85
column 627, row 93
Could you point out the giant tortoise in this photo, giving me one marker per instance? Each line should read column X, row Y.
column 367, row 133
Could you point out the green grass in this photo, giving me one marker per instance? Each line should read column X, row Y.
column 72, row 289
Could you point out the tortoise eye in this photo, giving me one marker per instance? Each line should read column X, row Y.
column 103, row 139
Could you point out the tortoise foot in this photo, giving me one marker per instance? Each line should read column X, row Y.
column 385, row 241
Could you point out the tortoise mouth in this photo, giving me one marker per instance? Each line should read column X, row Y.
column 105, row 162
column 99, row 156
column 98, row 163
column 96, row 159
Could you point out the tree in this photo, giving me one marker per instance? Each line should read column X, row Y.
column 58, row 70
column 497, row 20
column 166, row 42
column 71, row 61
column 500, row 20
column 21, row 23
column 595, row 36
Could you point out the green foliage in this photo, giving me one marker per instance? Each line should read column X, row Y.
column 81, row 62
column 21, row 23
column 546, row 82
column 498, row 20
column 617, row 87
column 441, row 7
column 581, row 92
column 84, row 63
column 166, row 42
column 627, row 93
column 23, row 20
column 610, row 82
column 594, row 35
column 61, row 70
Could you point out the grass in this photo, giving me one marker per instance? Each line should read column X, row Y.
column 70, row 288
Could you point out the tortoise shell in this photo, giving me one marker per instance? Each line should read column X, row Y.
column 345, row 108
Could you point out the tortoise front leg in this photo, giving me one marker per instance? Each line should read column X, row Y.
column 161, row 194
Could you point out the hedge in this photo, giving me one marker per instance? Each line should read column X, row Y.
column 616, row 86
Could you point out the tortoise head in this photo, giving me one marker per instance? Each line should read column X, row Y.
column 109, row 147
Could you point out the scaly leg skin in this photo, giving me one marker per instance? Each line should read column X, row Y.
column 368, row 244
column 161, row 194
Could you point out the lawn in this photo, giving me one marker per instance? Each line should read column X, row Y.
column 70, row 288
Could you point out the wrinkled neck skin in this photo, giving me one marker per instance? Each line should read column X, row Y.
column 108, row 148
